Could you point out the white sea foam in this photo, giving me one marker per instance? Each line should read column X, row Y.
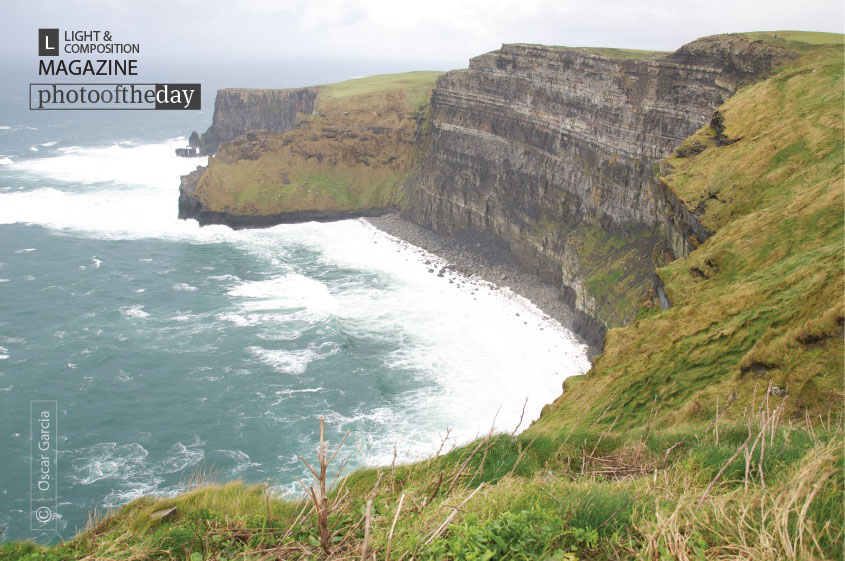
column 121, row 163
column 241, row 459
column 293, row 292
column 137, row 489
column 129, row 468
column 468, row 344
column 223, row 277
column 27, row 250
column 184, row 287
column 179, row 457
column 184, row 317
column 129, row 192
column 240, row 320
column 304, row 390
column 48, row 144
column 107, row 460
column 482, row 346
column 286, row 362
column 136, row 311
column 6, row 161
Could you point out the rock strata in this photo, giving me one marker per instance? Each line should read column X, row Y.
column 238, row 111
column 556, row 152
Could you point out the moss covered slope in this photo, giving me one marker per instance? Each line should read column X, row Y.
column 763, row 298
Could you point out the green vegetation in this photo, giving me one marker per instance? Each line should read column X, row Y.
column 601, row 284
column 353, row 152
column 615, row 274
column 809, row 37
column 763, row 297
column 710, row 430
column 625, row 54
column 416, row 86
column 586, row 493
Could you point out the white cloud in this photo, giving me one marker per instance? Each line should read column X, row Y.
column 445, row 30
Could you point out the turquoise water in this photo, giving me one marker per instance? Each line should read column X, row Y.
column 172, row 349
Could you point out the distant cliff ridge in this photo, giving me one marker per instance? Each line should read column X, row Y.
column 554, row 151
column 238, row 111
column 319, row 153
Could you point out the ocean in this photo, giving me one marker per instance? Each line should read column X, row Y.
column 173, row 350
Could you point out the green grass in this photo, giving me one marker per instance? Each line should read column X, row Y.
column 601, row 284
column 554, row 505
column 615, row 274
column 809, row 37
column 416, row 87
column 624, row 54
column 382, row 83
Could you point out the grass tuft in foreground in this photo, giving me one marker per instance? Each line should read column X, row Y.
column 762, row 487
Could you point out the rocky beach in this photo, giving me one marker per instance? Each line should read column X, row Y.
column 482, row 257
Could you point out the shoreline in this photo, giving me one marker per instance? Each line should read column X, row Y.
column 481, row 256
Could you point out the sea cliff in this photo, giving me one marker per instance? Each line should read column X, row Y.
column 711, row 429
column 553, row 151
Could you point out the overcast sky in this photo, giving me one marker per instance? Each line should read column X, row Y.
column 442, row 33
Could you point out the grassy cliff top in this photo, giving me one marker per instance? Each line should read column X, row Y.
column 625, row 54
column 607, row 52
column 381, row 83
column 809, row 37
column 369, row 91
column 414, row 87
column 782, row 38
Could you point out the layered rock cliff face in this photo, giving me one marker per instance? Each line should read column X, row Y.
column 556, row 151
column 238, row 111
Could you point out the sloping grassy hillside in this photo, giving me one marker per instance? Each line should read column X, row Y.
column 688, row 492
column 807, row 37
column 352, row 153
column 763, row 298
